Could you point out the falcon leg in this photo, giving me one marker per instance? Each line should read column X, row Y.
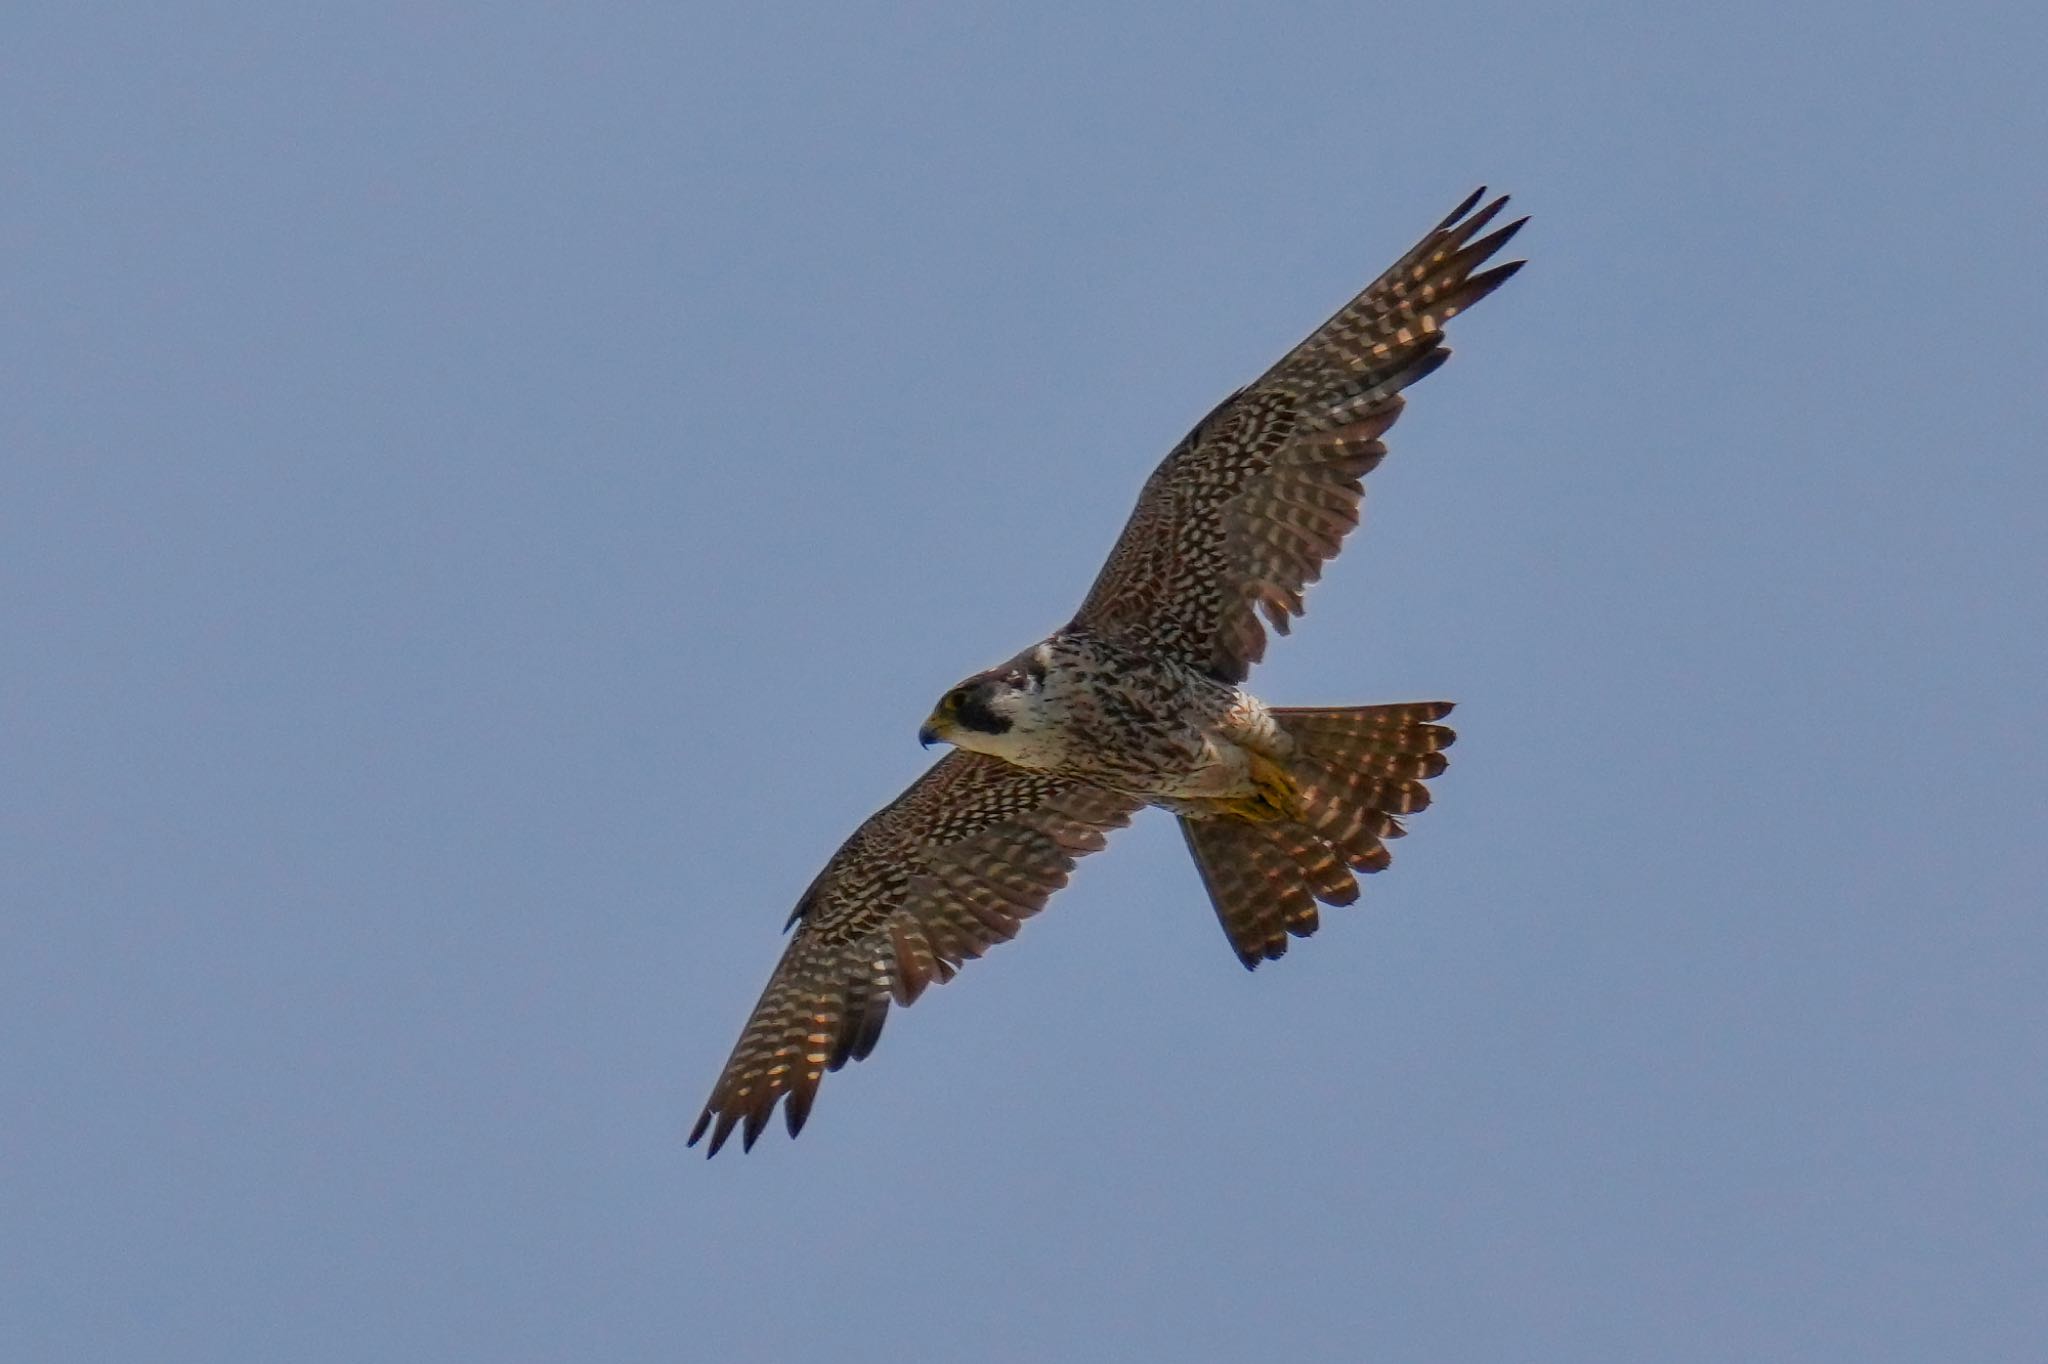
column 1274, row 793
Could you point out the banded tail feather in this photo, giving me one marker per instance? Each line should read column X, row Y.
column 1358, row 769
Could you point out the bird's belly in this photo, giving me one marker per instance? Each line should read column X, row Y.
column 1191, row 766
column 1218, row 769
column 1149, row 728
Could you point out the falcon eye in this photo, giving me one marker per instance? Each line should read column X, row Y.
column 955, row 700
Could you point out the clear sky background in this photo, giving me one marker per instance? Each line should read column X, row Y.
column 487, row 494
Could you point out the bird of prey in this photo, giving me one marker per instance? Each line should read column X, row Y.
column 1140, row 701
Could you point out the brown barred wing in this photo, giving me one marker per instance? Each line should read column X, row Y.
column 1239, row 519
column 950, row 867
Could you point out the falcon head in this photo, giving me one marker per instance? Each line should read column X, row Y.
column 991, row 712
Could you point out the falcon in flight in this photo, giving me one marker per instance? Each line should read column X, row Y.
column 1140, row 701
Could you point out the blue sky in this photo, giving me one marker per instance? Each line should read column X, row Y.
column 489, row 493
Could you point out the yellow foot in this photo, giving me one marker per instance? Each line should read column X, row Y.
column 1274, row 794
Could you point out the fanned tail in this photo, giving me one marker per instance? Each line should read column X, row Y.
column 1357, row 770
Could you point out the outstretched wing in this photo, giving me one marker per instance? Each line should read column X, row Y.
column 1238, row 519
column 949, row 867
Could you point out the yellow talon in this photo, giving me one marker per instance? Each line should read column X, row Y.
column 1275, row 795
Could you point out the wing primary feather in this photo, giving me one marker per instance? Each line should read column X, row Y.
column 1454, row 241
column 1484, row 283
column 1461, row 210
column 866, row 1028
column 1485, row 247
column 796, row 1110
column 754, row 1124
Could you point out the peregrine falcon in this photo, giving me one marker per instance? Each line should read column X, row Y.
column 1140, row 701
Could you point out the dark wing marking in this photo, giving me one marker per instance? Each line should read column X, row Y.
column 1240, row 517
column 948, row 868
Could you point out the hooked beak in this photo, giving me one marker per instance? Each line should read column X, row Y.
column 928, row 733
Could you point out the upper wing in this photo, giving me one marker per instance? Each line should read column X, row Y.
column 947, row 868
column 1245, row 510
